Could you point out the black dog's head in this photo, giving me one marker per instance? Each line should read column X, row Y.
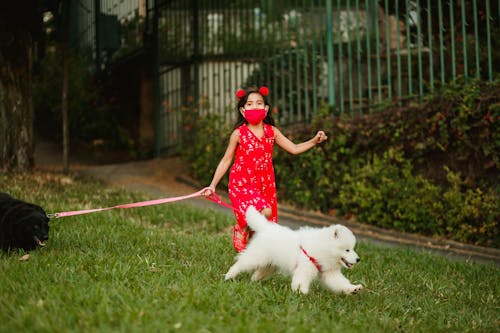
column 22, row 225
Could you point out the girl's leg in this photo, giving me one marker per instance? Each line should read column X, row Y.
column 267, row 212
column 242, row 235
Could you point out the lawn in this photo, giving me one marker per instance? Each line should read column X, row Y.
column 161, row 268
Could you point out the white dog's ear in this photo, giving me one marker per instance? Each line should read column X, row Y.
column 335, row 233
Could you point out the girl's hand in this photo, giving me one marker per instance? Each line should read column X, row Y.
column 208, row 191
column 320, row 137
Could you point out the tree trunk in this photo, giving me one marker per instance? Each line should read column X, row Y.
column 16, row 103
column 20, row 24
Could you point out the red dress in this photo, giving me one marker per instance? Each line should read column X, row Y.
column 251, row 180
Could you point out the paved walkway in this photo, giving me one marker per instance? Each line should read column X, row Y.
column 166, row 177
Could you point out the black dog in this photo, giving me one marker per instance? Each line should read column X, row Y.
column 22, row 225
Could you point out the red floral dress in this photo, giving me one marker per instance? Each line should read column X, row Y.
column 251, row 180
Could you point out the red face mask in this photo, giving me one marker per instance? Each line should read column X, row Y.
column 255, row 116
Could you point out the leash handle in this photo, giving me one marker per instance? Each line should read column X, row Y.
column 215, row 198
column 212, row 197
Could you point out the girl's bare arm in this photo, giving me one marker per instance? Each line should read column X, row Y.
column 299, row 148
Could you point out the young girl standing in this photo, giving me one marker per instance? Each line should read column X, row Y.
column 251, row 179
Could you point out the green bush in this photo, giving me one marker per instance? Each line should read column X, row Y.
column 385, row 193
column 470, row 215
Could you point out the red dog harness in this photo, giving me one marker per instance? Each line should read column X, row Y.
column 311, row 259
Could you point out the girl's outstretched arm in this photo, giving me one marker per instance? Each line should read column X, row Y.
column 299, row 148
column 226, row 160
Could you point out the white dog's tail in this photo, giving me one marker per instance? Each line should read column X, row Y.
column 256, row 220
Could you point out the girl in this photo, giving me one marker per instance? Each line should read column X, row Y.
column 251, row 179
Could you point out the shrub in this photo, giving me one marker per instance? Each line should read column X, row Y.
column 385, row 193
column 470, row 214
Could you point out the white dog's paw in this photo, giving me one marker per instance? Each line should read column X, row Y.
column 262, row 273
column 300, row 289
column 231, row 273
column 300, row 286
column 354, row 289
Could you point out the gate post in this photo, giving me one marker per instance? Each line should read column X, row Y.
column 156, row 84
column 196, row 50
column 329, row 45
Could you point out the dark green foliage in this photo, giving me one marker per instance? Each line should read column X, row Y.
column 92, row 114
column 385, row 193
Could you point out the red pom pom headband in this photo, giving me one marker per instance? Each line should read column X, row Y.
column 240, row 93
column 264, row 91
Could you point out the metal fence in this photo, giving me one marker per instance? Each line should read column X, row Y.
column 346, row 56
column 343, row 56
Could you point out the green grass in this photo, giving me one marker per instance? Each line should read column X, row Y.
column 161, row 268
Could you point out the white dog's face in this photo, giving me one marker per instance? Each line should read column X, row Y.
column 344, row 246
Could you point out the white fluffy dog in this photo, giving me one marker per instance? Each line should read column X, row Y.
column 305, row 254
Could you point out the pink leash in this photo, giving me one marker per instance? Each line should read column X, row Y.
column 212, row 197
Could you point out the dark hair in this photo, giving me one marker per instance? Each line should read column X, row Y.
column 241, row 103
